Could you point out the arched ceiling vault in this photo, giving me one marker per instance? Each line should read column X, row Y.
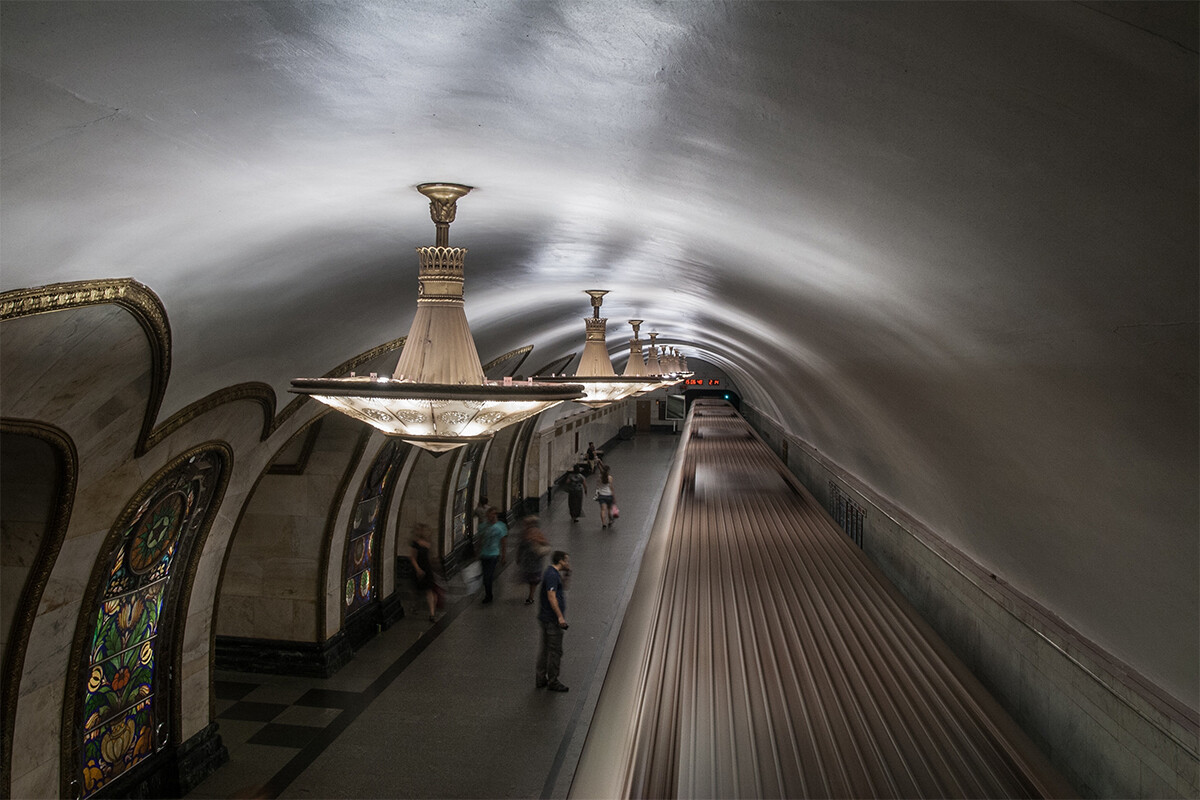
column 955, row 245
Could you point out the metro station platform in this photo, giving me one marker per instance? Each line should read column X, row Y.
column 449, row 709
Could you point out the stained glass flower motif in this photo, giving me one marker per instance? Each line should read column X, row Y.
column 122, row 719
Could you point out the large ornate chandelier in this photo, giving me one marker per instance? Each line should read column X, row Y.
column 438, row 398
column 595, row 371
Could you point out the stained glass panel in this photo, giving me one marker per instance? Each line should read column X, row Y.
column 365, row 525
column 121, row 722
column 126, row 619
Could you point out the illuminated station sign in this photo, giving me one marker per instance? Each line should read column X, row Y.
column 702, row 382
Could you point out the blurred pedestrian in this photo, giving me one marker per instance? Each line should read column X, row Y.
column 531, row 555
column 491, row 550
column 552, row 617
column 424, row 578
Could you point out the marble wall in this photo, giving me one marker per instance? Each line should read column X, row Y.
column 276, row 557
column 561, row 441
column 424, row 499
column 95, row 373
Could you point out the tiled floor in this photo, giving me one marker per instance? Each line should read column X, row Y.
column 449, row 709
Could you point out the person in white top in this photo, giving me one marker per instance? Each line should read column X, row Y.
column 604, row 495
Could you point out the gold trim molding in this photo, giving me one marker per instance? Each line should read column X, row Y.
column 523, row 352
column 146, row 307
column 136, row 298
column 555, row 367
column 255, row 392
column 339, row 371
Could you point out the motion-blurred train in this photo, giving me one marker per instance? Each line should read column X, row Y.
column 763, row 655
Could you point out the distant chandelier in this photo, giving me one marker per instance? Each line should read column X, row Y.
column 595, row 371
column 652, row 365
column 635, row 367
column 660, row 367
column 668, row 362
column 678, row 364
column 683, row 367
column 438, row 398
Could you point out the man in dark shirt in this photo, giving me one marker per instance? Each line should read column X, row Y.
column 553, row 621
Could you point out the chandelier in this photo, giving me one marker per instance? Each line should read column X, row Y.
column 635, row 367
column 438, row 398
column 683, row 367
column 652, row 366
column 677, row 364
column 595, row 371
column 660, row 367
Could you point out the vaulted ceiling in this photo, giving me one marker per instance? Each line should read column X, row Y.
column 951, row 246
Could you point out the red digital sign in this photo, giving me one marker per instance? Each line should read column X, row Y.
column 701, row 382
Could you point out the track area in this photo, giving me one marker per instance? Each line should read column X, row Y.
column 763, row 655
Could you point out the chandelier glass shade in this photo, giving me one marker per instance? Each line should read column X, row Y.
column 635, row 367
column 595, row 371
column 438, row 397
column 660, row 366
column 683, row 367
column 652, row 365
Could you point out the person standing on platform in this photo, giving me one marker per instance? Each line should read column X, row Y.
column 604, row 495
column 491, row 550
column 552, row 618
column 576, row 486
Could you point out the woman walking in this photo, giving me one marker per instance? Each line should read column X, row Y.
column 604, row 495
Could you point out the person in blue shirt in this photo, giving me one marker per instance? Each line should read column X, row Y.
column 491, row 550
column 552, row 617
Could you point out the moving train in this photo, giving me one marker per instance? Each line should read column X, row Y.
column 763, row 655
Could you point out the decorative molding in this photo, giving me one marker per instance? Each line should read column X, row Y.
column 146, row 307
column 310, row 432
column 340, row 371
column 555, row 367
column 260, row 393
column 136, row 298
column 523, row 352
column 67, row 478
